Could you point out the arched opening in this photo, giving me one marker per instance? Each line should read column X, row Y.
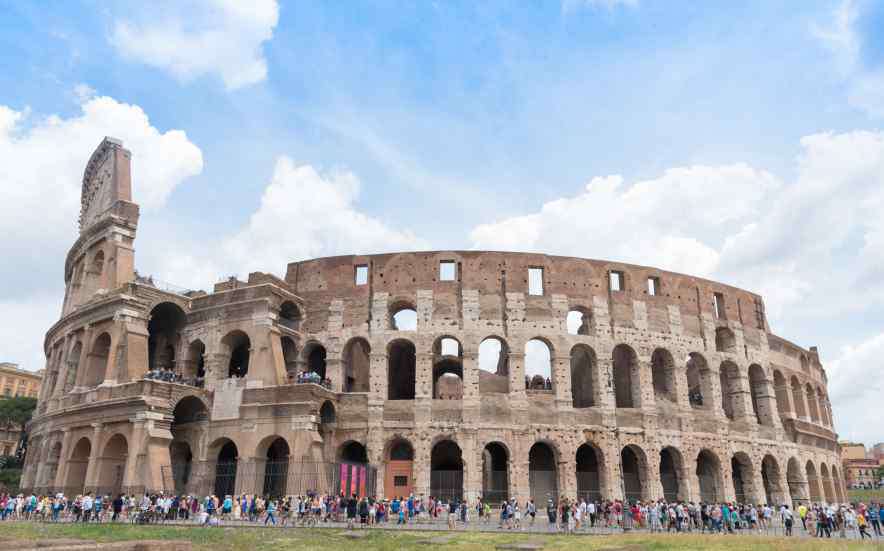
column 225, row 469
column 825, row 416
column 98, row 358
column 353, row 453
column 112, row 464
column 670, row 473
column 543, row 474
column 98, row 267
column 782, row 392
column 447, row 369
column 327, row 414
column 77, row 465
column 828, row 491
column 495, row 473
column 399, row 476
column 400, row 370
column 276, row 468
column 796, row 481
column 315, row 355
column 189, row 409
column 813, row 482
column 627, row 390
column 579, row 321
column 699, row 382
column 403, row 316
column 195, row 366
column 632, row 466
column 758, row 389
column 805, row 365
column 729, row 376
column 708, row 476
column 493, row 366
column 164, row 333
column 583, row 376
column 357, row 365
column 289, row 356
column 810, row 395
column 839, row 485
column 589, row 483
column 663, row 375
column 73, row 366
column 741, row 474
column 538, row 365
column 238, row 346
column 798, row 398
column 770, row 477
column 725, row 340
column 181, row 458
column 290, row 315
column 446, row 471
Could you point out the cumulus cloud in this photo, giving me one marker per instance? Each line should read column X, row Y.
column 201, row 37
column 813, row 247
column 855, row 389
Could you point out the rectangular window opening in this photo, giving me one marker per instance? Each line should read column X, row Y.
column 400, row 481
column 718, row 305
column 653, row 286
column 447, row 270
column 361, row 274
column 615, row 281
column 535, row 281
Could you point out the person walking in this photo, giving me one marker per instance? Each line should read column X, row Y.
column 271, row 510
column 861, row 525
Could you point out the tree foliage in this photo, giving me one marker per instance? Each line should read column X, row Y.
column 17, row 411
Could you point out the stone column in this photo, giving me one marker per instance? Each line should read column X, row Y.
column 61, row 472
column 561, row 378
column 567, row 475
column 608, row 399
column 613, row 477
column 680, row 378
column 472, row 466
column 423, row 388
column 471, row 399
column 83, row 363
column 92, row 469
column 421, row 467
column 520, row 486
column 727, row 481
column 654, row 483
column 334, row 370
column 643, row 392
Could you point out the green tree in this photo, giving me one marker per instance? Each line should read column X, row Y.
column 17, row 411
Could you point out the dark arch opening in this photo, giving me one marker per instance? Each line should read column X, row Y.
column 583, row 375
column 770, row 477
column 357, row 365
column 239, row 346
column 707, row 475
column 97, row 362
column 164, row 333
column 589, row 486
column 728, row 376
column 725, row 340
column 446, row 471
column 290, row 315
column 699, row 382
column 181, row 458
column 327, row 413
column 757, row 384
column 225, row 470
column 401, row 450
column 289, row 356
column 543, row 474
column 316, row 360
column 400, row 370
column 626, row 378
column 633, row 477
column 195, row 366
column 663, row 375
column 276, row 469
column 670, row 469
column 495, row 473
column 741, row 476
column 354, row 453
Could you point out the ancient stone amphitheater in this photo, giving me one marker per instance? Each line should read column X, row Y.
column 451, row 373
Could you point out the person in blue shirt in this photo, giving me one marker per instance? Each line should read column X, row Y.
column 271, row 508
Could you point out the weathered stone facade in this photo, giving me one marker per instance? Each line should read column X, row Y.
column 660, row 384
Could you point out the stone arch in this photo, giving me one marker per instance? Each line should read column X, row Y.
column 399, row 471
column 741, row 475
column 813, row 482
column 98, row 359
column 589, row 467
column 770, row 479
column 729, row 378
column 77, row 464
column 663, row 375
column 401, row 370
column 578, row 321
column 584, row 376
column 781, row 388
column 627, row 382
column 538, row 363
column 353, row 452
column 838, row 483
column 112, row 464
column 290, row 315
column 181, row 459
column 73, row 363
column 495, row 472
column 634, row 469
column 810, row 396
column 327, row 414
column 699, row 377
column 167, row 320
column 805, row 364
column 275, row 453
column 797, row 482
column 825, row 419
column 289, row 355
column 543, row 472
column 493, row 365
column 403, row 315
column 315, row 354
column 447, row 368
column 238, row 347
column 709, row 476
column 725, row 340
column 446, row 471
column 226, row 456
column 195, row 365
column 671, row 474
column 357, row 365
column 828, row 491
column 798, row 397
column 758, row 391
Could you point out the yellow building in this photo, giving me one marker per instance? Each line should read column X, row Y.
column 15, row 381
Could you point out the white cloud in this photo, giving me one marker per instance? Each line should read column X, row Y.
column 855, row 389
column 193, row 39
column 305, row 213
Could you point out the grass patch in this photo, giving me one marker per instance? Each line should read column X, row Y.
column 236, row 539
column 866, row 495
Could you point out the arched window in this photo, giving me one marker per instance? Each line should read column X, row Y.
column 627, row 390
column 290, row 315
column 579, row 321
column 98, row 359
column 493, row 366
column 798, row 398
column 699, row 382
column 671, row 473
column 782, row 392
column 584, row 376
column 729, row 378
column 495, row 473
column 538, row 365
column 357, row 364
column 446, row 471
column 403, row 316
column 633, row 465
column 195, row 366
column 167, row 320
column 400, row 370
column 588, row 466
column 238, row 347
column 289, row 355
column 725, row 340
column 316, row 359
column 663, row 375
column 810, row 394
column 709, row 476
column 447, row 369
column 543, row 474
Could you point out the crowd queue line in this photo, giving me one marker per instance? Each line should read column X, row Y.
column 570, row 516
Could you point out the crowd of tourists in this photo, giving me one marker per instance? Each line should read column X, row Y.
column 570, row 516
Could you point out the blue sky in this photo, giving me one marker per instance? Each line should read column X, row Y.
column 735, row 140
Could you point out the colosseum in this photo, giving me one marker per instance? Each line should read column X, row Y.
column 457, row 374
